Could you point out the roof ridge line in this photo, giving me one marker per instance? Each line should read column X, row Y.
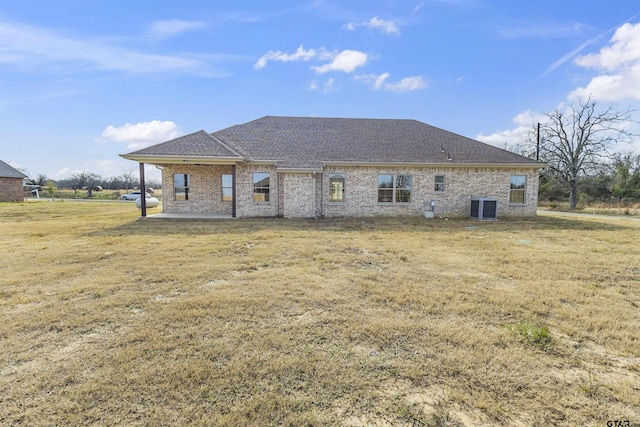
column 225, row 145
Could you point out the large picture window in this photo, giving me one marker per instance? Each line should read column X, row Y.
column 181, row 186
column 227, row 187
column 394, row 188
column 336, row 187
column 518, row 187
column 260, row 187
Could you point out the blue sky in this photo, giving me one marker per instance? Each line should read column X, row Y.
column 82, row 81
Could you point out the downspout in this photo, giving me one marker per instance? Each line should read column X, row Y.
column 143, row 193
column 313, row 205
column 322, row 192
column 233, row 191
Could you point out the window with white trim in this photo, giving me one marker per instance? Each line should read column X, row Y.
column 394, row 188
column 227, row 187
column 517, row 190
column 336, row 187
column 261, row 187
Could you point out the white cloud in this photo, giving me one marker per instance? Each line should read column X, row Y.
column 619, row 67
column 510, row 137
column 407, row 84
column 385, row 27
column 276, row 55
column 108, row 167
column 28, row 46
column 64, row 173
column 163, row 30
column 143, row 134
column 624, row 48
column 15, row 165
column 346, row 61
column 379, row 81
column 544, row 30
column 328, row 85
column 567, row 57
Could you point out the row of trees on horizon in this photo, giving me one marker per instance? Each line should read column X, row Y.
column 92, row 182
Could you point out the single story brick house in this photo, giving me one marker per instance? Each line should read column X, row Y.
column 11, row 180
column 307, row 167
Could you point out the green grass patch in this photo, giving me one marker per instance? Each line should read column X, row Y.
column 530, row 333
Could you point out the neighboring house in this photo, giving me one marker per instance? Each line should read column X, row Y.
column 11, row 181
column 301, row 167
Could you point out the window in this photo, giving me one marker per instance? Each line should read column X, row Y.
column 439, row 184
column 336, row 187
column 227, row 187
column 261, row 187
column 181, row 186
column 394, row 188
column 518, row 185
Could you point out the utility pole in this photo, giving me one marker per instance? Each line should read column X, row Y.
column 538, row 144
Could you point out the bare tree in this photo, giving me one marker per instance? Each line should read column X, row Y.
column 85, row 181
column 41, row 180
column 128, row 178
column 575, row 140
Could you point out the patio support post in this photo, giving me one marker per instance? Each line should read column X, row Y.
column 233, row 191
column 143, row 193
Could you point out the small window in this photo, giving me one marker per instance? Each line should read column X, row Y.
column 227, row 187
column 439, row 184
column 181, row 186
column 260, row 187
column 336, row 187
column 517, row 192
column 394, row 188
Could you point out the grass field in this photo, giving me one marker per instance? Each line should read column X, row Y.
column 107, row 319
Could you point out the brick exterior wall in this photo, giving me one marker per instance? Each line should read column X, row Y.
column 295, row 195
column 245, row 205
column 299, row 189
column 11, row 190
column 461, row 184
column 205, row 192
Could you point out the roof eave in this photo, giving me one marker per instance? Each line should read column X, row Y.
column 183, row 160
column 439, row 165
column 299, row 170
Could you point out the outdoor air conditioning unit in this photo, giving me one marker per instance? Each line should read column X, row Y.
column 484, row 209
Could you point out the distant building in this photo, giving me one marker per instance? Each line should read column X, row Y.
column 11, row 183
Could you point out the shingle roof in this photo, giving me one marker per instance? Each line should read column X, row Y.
column 7, row 171
column 201, row 144
column 294, row 140
column 308, row 142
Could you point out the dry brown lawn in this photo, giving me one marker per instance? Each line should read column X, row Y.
column 107, row 319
